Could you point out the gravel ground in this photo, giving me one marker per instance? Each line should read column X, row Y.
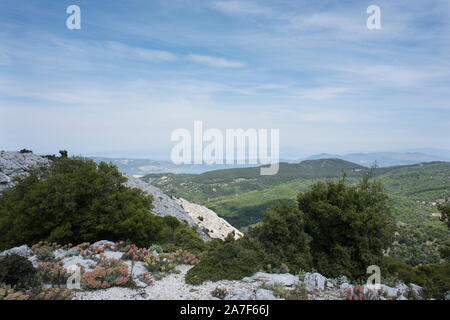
column 171, row 287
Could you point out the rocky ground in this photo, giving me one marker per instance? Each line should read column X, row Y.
column 15, row 163
column 260, row 286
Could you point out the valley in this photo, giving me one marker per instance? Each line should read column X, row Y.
column 241, row 196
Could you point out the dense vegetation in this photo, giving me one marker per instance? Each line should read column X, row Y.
column 241, row 196
column 74, row 200
column 350, row 226
column 336, row 229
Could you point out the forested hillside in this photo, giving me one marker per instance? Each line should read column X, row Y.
column 242, row 195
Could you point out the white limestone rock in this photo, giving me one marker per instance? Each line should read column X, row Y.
column 23, row 251
column 264, row 294
column 314, row 281
column 207, row 219
column 285, row 279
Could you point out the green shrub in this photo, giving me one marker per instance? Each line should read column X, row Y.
column 350, row 226
column 434, row 278
column 156, row 248
column 445, row 213
column 17, row 271
column 282, row 236
column 230, row 259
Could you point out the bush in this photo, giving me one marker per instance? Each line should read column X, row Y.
column 281, row 235
column 445, row 213
column 220, row 293
column 158, row 264
column 350, row 226
column 17, row 271
column 74, row 200
column 230, row 259
column 434, row 278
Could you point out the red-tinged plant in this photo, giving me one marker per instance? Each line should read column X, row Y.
column 145, row 277
column 220, row 293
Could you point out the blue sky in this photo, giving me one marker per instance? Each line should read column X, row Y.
column 137, row 70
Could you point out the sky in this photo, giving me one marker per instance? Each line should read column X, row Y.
column 138, row 70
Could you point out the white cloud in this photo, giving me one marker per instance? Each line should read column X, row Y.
column 322, row 93
column 240, row 7
column 140, row 53
column 215, row 61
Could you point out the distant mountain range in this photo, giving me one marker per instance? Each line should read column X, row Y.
column 141, row 167
column 385, row 159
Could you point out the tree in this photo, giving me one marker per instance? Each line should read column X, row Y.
column 349, row 225
column 445, row 213
column 283, row 237
column 74, row 200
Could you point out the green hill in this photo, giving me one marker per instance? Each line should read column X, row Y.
column 242, row 195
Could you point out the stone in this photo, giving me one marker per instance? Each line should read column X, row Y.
column 23, row 251
column 447, row 295
column 111, row 255
column 402, row 298
column 330, row 285
column 207, row 219
column 314, row 281
column 138, row 268
column 102, row 243
column 4, row 179
column 285, row 279
column 240, row 294
column 401, row 287
column 75, row 260
column 345, row 286
column 417, row 290
column 264, row 294
column 391, row 292
column 15, row 163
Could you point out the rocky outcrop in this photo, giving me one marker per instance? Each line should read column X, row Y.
column 209, row 221
column 285, row 279
column 314, row 281
column 15, row 163
column 23, row 251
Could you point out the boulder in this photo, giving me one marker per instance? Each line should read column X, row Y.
column 4, row 179
column 75, row 260
column 240, row 294
column 264, row 294
column 314, row 281
column 285, row 279
column 417, row 290
column 111, row 255
column 102, row 243
column 23, row 251
column 401, row 287
column 345, row 286
column 16, row 163
column 447, row 295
